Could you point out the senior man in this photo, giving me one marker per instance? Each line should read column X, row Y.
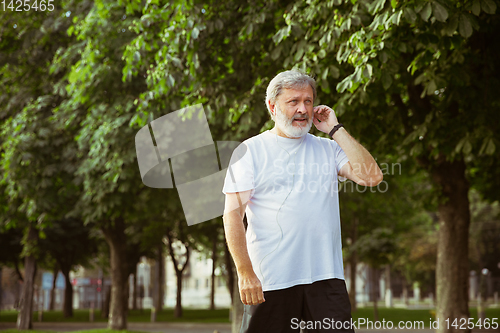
column 289, row 260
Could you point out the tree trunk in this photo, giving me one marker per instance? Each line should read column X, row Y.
column 178, row 303
column 353, row 263
column 1, row 291
column 117, row 241
column 26, row 301
column 178, row 273
column 375, row 283
column 452, row 267
column 406, row 301
column 134, row 293
column 214, row 265
column 159, row 279
column 237, row 308
column 388, row 289
column 179, row 269
column 107, row 301
column 53, row 290
column 68, row 294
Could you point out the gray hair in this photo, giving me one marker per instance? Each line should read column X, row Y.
column 291, row 79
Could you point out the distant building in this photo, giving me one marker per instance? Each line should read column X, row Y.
column 196, row 284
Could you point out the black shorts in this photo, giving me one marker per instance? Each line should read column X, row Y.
column 323, row 306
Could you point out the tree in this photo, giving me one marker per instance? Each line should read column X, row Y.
column 33, row 180
column 69, row 242
column 99, row 109
column 417, row 251
column 11, row 249
column 485, row 235
column 179, row 253
column 396, row 204
column 376, row 248
column 208, row 240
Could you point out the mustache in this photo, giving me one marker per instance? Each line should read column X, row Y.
column 298, row 116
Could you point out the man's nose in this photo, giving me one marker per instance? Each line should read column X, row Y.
column 302, row 108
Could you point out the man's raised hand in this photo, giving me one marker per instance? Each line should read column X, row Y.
column 324, row 118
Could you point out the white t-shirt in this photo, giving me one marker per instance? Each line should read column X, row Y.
column 293, row 235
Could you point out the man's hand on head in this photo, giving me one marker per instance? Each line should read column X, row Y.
column 324, row 118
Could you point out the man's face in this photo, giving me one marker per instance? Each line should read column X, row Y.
column 293, row 112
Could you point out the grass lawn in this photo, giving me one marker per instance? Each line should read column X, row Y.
column 166, row 315
column 87, row 331
column 395, row 315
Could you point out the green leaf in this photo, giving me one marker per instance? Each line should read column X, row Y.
column 299, row 54
column 467, row 147
column 170, row 80
column 488, row 6
column 460, row 145
column 357, row 75
column 368, row 71
column 431, row 87
column 426, row 12
column 219, row 24
column 440, row 13
column 276, row 52
column 345, row 84
column 376, row 6
column 334, row 71
column 476, row 7
column 386, row 80
column 451, row 26
column 465, row 27
column 249, row 28
column 410, row 14
column 325, row 74
column 383, row 56
column 490, row 148
column 356, row 20
column 396, row 17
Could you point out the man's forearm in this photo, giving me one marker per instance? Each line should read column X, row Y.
column 236, row 241
column 362, row 162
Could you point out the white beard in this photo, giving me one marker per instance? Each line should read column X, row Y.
column 285, row 124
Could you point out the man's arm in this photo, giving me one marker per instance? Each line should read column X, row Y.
column 361, row 168
column 248, row 283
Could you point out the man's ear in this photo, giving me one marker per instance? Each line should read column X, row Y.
column 272, row 108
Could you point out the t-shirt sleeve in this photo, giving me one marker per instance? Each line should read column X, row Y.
column 240, row 172
column 340, row 160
